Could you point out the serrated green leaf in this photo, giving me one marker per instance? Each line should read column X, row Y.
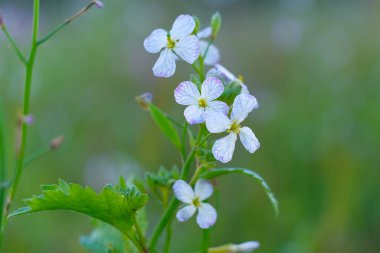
column 212, row 173
column 112, row 205
column 165, row 125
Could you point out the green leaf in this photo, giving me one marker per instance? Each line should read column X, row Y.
column 212, row 173
column 165, row 125
column 104, row 239
column 114, row 205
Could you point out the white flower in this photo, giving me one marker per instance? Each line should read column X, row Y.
column 223, row 149
column 178, row 42
column 227, row 77
column 234, row 248
column 193, row 199
column 213, row 55
column 187, row 93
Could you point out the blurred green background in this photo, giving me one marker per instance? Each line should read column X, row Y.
column 313, row 65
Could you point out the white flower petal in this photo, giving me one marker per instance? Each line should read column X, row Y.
column 223, row 149
column 213, row 55
column 212, row 88
column 217, row 106
column 156, row 41
column 243, row 105
column 184, row 25
column 248, row 139
column 227, row 74
column 206, row 216
column 216, row 122
column 247, row 246
column 183, row 192
column 165, row 65
column 203, row 189
column 205, row 33
column 186, row 93
column 194, row 114
column 186, row 212
column 188, row 49
column 244, row 89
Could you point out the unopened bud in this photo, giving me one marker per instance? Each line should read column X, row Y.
column 235, row 248
column 216, row 22
column 1, row 22
column 144, row 100
column 56, row 142
column 28, row 119
column 197, row 24
column 99, row 4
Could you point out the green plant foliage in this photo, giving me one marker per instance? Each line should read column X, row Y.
column 104, row 239
column 231, row 90
column 212, row 173
column 115, row 205
column 165, row 125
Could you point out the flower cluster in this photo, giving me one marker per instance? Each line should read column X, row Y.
column 216, row 100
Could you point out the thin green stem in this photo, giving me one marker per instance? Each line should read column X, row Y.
column 14, row 44
column 205, row 240
column 3, row 169
column 199, row 72
column 37, row 155
column 26, row 106
column 66, row 22
column 168, row 238
column 139, row 232
column 183, row 141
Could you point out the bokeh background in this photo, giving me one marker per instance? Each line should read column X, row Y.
column 313, row 65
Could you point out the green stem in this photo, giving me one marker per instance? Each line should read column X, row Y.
column 199, row 72
column 183, row 140
column 205, row 240
column 13, row 44
column 140, row 234
column 66, row 22
column 168, row 238
column 37, row 155
column 3, row 169
column 26, row 106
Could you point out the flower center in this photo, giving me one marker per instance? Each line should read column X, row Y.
column 202, row 102
column 171, row 43
column 197, row 202
column 234, row 128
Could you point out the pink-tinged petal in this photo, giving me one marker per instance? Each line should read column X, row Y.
column 187, row 93
column 223, row 149
column 212, row 56
column 183, row 192
column 224, row 72
column 156, row 41
column 203, row 189
column 212, row 88
column 188, row 49
column 248, row 139
column 186, row 212
column 206, row 216
column 216, row 122
column 183, row 26
column 205, row 33
column 218, row 106
column 194, row 114
column 243, row 105
column 165, row 65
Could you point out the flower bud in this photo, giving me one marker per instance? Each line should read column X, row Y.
column 235, row 248
column 144, row 100
column 56, row 142
column 216, row 22
column 28, row 119
column 99, row 4
column 197, row 24
column 1, row 22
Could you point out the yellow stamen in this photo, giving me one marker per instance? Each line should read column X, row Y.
column 202, row 102
column 234, row 128
column 171, row 43
column 241, row 78
column 197, row 202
